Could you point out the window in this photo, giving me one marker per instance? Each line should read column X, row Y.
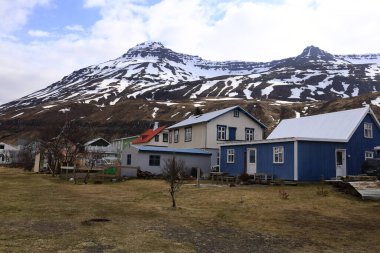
column 367, row 130
column 170, row 136
column 249, row 134
column 2, row 146
column 165, row 137
column 154, row 160
column 368, row 155
column 188, row 134
column 157, row 138
column 221, row 133
column 129, row 159
column 236, row 113
column 278, row 155
column 176, row 135
column 230, row 155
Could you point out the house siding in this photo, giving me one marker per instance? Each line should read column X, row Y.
column 264, row 160
column 198, row 139
column 141, row 159
column 228, row 120
column 317, row 159
column 358, row 144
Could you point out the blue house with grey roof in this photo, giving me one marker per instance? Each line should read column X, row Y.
column 307, row 148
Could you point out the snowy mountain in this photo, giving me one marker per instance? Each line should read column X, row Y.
column 151, row 71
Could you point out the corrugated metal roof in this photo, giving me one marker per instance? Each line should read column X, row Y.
column 148, row 135
column 172, row 150
column 95, row 140
column 211, row 115
column 336, row 126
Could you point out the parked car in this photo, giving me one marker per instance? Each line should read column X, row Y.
column 371, row 167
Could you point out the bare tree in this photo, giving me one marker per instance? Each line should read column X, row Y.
column 63, row 144
column 173, row 174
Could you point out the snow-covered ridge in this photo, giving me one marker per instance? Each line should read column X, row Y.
column 152, row 71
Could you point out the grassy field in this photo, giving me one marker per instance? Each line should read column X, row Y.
column 39, row 213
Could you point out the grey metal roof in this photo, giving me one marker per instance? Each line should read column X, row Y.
column 192, row 120
column 338, row 126
column 172, row 150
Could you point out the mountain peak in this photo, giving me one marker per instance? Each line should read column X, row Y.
column 312, row 52
column 149, row 45
column 152, row 48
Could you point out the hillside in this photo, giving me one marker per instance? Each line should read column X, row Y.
column 151, row 83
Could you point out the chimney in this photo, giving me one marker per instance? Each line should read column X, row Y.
column 156, row 124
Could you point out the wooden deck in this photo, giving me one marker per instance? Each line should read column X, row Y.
column 367, row 189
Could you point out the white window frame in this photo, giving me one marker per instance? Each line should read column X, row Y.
column 278, row 154
column 188, row 134
column 170, row 136
column 249, row 134
column 236, row 113
column 221, row 133
column 165, row 139
column 369, row 155
column 230, row 155
column 368, row 132
column 176, row 135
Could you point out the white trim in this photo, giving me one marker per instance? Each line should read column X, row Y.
column 369, row 157
column 278, row 141
column 233, row 155
column 248, row 161
column 345, row 160
column 369, row 127
column 369, row 111
column 280, row 148
column 295, row 160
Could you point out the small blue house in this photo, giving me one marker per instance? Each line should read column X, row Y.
column 307, row 148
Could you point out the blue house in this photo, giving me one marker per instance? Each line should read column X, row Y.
column 329, row 145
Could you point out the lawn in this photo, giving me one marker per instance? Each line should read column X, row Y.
column 39, row 213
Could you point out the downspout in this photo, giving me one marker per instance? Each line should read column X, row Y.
column 295, row 161
column 205, row 124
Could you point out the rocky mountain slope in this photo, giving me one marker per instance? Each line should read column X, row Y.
column 151, row 83
column 151, row 71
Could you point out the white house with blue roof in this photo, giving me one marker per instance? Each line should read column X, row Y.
column 153, row 158
column 207, row 131
column 307, row 148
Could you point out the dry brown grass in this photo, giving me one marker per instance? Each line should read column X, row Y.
column 39, row 213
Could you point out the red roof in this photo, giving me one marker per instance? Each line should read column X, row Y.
column 148, row 135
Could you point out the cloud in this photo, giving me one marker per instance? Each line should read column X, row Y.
column 75, row 28
column 217, row 30
column 38, row 33
column 14, row 14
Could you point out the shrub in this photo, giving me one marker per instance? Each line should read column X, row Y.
column 283, row 194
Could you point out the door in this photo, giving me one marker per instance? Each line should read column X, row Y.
column 232, row 133
column 340, row 161
column 251, row 161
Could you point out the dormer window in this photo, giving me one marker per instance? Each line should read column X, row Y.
column 368, row 130
column 236, row 113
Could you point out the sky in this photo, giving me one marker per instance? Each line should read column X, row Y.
column 41, row 41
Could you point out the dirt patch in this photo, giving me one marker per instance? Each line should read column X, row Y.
column 225, row 239
column 94, row 221
column 42, row 227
